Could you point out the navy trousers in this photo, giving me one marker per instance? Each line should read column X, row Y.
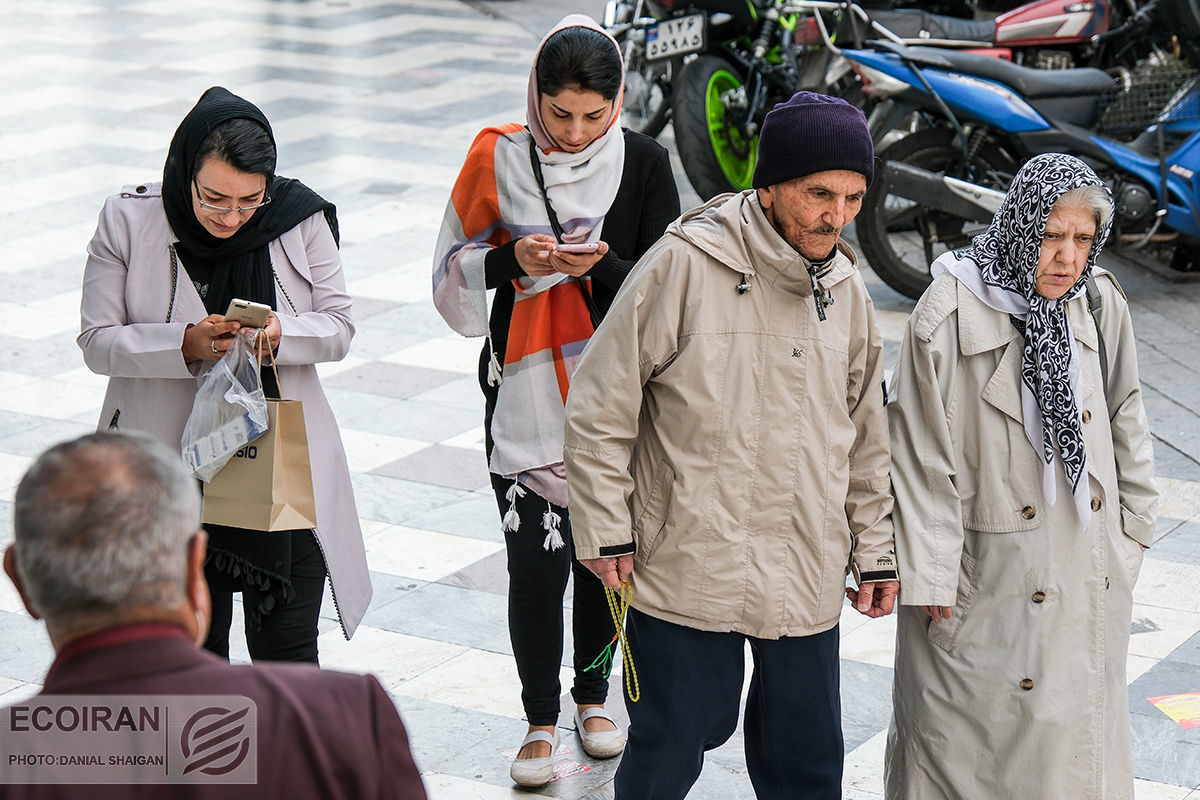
column 691, row 684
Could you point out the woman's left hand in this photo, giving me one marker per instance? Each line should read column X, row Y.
column 577, row 264
column 273, row 331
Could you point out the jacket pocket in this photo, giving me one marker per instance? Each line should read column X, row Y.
column 944, row 633
column 650, row 522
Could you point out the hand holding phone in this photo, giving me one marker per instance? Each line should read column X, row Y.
column 583, row 247
column 247, row 314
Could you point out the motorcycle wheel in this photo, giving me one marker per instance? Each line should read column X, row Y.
column 646, row 106
column 900, row 238
column 716, row 156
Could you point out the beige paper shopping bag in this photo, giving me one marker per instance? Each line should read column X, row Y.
column 267, row 485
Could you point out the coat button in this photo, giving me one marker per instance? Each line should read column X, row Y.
column 141, row 189
column 1039, row 597
column 1027, row 683
column 1087, row 415
column 1096, row 504
column 1028, row 512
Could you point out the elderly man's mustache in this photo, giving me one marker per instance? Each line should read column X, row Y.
column 826, row 230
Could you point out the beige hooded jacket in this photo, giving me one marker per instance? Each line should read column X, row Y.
column 733, row 439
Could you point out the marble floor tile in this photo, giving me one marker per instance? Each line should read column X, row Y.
column 393, row 658
column 1137, row 666
column 390, row 380
column 451, row 352
column 873, row 643
column 417, row 419
column 449, row 787
column 1148, row 790
column 396, row 501
column 12, row 469
column 1158, row 631
column 367, row 451
column 486, row 575
column 478, row 620
column 1180, row 543
column 1179, row 499
column 1167, row 584
column 476, row 680
column 864, row 767
column 50, row 398
column 424, row 555
column 441, row 465
column 474, row 515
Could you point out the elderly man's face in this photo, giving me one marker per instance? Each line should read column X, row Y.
column 810, row 212
column 1070, row 231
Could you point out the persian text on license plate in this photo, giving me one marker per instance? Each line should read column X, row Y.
column 675, row 37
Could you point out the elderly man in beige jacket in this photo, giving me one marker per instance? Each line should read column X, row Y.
column 727, row 454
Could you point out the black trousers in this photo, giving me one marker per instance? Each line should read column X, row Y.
column 289, row 631
column 691, row 684
column 537, row 583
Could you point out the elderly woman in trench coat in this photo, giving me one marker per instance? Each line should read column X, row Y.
column 1024, row 487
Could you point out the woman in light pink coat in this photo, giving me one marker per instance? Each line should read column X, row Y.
column 162, row 267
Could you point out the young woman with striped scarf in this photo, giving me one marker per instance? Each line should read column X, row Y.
column 571, row 176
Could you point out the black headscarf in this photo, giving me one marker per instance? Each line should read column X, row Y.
column 239, row 266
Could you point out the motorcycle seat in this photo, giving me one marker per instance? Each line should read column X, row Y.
column 912, row 23
column 1032, row 84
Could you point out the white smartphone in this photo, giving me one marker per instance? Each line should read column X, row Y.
column 584, row 247
column 247, row 314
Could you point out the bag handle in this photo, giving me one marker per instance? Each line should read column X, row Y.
column 556, row 226
column 260, row 336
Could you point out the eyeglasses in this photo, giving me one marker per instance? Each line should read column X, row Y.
column 226, row 209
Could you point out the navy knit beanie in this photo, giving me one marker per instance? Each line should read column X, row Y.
column 812, row 133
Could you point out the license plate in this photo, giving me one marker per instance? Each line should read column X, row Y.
column 675, row 37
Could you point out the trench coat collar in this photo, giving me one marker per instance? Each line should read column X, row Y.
column 981, row 329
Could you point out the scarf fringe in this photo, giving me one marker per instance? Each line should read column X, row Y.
column 495, row 375
column 278, row 591
column 550, row 522
column 512, row 520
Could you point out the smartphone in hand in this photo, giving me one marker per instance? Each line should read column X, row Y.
column 247, row 314
column 584, row 247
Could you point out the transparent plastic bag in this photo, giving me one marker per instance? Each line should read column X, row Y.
column 229, row 412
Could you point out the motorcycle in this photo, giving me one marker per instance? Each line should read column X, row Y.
column 657, row 37
column 747, row 55
column 940, row 184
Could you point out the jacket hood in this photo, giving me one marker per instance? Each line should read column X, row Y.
column 733, row 229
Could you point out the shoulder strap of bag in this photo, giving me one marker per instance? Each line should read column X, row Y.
column 1095, row 302
column 589, row 301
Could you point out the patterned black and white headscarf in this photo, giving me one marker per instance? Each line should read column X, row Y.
column 1000, row 268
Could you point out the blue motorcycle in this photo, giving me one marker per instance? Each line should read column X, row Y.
column 973, row 120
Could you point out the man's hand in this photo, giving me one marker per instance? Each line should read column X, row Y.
column 874, row 598
column 612, row 572
column 938, row 613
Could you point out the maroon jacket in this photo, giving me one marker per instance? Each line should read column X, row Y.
column 320, row 734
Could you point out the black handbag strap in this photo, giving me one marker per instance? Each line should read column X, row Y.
column 556, row 226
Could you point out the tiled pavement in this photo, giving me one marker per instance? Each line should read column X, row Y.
column 374, row 103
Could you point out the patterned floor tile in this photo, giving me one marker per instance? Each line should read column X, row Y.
column 453, row 467
column 424, row 555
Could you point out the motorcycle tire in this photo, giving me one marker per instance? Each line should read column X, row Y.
column 646, row 106
column 900, row 238
column 716, row 157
